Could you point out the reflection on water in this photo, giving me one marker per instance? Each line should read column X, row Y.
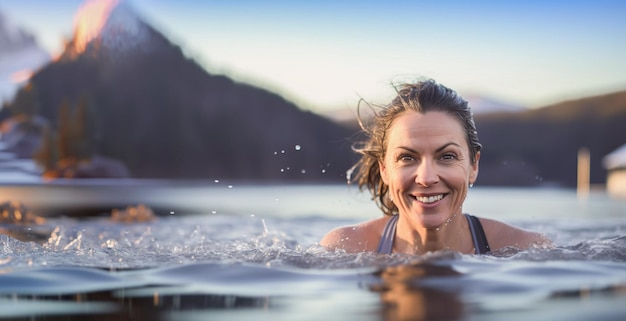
column 115, row 305
column 403, row 298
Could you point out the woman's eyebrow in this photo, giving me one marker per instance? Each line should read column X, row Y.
column 438, row 149
column 448, row 144
column 408, row 149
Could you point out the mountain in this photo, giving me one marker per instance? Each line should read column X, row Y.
column 483, row 105
column 540, row 146
column 137, row 99
column 19, row 56
column 111, row 28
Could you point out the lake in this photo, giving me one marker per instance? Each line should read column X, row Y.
column 225, row 250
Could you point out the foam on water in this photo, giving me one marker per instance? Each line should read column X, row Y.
column 102, row 243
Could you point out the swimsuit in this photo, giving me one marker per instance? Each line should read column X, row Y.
column 479, row 238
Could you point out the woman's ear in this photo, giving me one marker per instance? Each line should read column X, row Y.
column 474, row 169
column 383, row 171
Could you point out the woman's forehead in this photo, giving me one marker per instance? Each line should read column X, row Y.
column 430, row 124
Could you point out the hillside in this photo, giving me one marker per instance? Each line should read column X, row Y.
column 540, row 146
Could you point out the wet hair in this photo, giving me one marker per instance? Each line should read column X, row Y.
column 422, row 97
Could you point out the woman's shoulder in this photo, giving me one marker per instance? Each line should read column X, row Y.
column 500, row 235
column 355, row 238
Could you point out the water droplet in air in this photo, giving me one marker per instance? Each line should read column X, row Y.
column 230, row 186
column 323, row 171
column 303, row 171
column 216, row 181
column 282, row 151
column 349, row 175
column 298, row 147
column 171, row 212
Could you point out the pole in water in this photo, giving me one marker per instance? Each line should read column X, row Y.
column 584, row 164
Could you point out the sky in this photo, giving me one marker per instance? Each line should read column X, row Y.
column 327, row 54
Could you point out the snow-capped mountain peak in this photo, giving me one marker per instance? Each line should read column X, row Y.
column 110, row 24
column 483, row 104
column 90, row 20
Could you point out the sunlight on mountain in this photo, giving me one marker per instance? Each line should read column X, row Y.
column 21, row 76
column 90, row 20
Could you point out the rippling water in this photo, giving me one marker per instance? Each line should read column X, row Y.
column 237, row 252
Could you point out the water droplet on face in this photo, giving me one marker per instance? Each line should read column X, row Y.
column 298, row 147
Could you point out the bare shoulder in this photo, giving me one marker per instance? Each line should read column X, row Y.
column 363, row 237
column 501, row 235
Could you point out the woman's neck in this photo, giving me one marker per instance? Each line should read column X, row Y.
column 451, row 236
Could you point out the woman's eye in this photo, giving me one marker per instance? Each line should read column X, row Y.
column 448, row 157
column 405, row 158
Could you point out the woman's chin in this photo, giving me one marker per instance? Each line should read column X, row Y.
column 432, row 221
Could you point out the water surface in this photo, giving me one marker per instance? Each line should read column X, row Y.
column 225, row 250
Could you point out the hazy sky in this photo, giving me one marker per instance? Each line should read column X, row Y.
column 326, row 54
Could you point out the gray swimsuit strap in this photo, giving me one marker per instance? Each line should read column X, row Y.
column 385, row 245
column 481, row 246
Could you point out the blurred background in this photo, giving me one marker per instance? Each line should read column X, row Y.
column 267, row 92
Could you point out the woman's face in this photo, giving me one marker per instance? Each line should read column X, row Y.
column 427, row 167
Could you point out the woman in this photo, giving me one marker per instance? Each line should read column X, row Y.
column 419, row 161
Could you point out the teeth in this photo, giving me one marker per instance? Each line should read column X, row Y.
column 429, row 199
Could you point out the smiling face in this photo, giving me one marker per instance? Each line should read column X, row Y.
column 427, row 166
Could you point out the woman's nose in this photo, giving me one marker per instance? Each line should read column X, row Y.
column 426, row 174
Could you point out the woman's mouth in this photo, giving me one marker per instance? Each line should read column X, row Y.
column 430, row 199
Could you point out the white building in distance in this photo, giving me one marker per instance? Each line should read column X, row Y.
column 615, row 164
